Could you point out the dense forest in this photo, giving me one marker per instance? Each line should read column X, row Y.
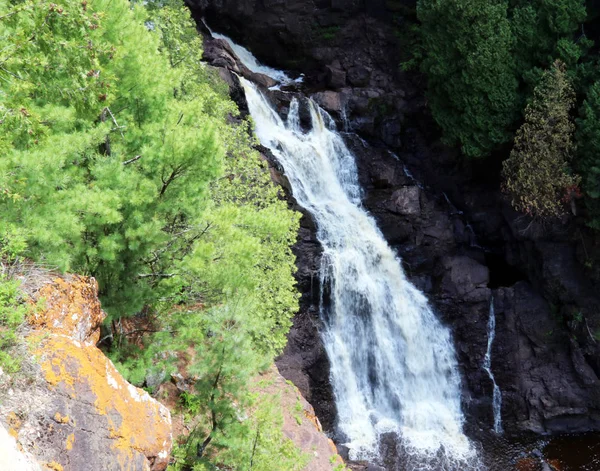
column 123, row 158
column 520, row 75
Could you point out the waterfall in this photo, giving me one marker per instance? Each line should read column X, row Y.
column 393, row 365
column 251, row 62
column 487, row 366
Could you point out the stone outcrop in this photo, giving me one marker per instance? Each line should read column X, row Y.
column 73, row 411
column 300, row 423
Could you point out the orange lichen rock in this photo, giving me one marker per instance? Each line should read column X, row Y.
column 70, row 306
column 300, row 424
column 135, row 422
column 81, row 414
column 54, row 466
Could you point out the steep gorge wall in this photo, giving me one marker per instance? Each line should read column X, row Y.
column 459, row 241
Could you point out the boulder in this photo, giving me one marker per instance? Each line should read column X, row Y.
column 332, row 102
column 77, row 412
column 406, row 201
column 70, row 307
column 336, row 78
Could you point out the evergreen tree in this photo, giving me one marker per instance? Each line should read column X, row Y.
column 537, row 174
column 470, row 70
column 588, row 152
column 105, row 169
column 120, row 159
column 545, row 30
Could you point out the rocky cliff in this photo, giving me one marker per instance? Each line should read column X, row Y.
column 69, row 409
column 459, row 241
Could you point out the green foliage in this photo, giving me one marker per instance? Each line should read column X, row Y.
column 537, row 174
column 588, row 152
column 124, row 158
column 482, row 59
column 12, row 308
column 328, row 33
column 470, row 70
column 105, row 169
column 12, row 315
column 257, row 443
column 544, row 31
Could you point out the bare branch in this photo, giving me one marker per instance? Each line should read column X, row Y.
column 130, row 161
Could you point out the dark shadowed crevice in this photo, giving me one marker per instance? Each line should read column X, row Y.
column 501, row 273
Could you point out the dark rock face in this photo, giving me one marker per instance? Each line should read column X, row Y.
column 458, row 240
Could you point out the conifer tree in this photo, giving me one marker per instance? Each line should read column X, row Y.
column 588, row 152
column 470, row 71
column 537, row 174
column 545, row 30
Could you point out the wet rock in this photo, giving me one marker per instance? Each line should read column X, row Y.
column 336, row 78
column 407, row 201
column 218, row 53
column 263, row 80
column 465, row 278
column 330, row 101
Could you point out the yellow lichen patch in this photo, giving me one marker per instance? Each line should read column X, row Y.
column 135, row 420
column 70, row 307
column 54, row 466
column 70, row 441
column 55, row 369
column 14, row 424
column 61, row 419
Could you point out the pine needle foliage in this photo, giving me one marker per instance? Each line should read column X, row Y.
column 588, row 153
column 124, row 158
column 473, row 89
column 103, row 164
column 537, row 175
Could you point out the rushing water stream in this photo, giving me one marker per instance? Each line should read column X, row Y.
column 487, row 366
column 393, row 366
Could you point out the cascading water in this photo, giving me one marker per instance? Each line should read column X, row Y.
column 487, row 366
column 393, row 366
column 250, row 61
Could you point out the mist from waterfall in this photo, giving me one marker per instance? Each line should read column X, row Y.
column 393, row 365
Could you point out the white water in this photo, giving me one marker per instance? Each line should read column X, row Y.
column 487, row 366
column 252, row 63
column 393, row 366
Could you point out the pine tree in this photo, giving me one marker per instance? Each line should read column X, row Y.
column 537, row 174
column 588, row 152
column 545, row 30
column 121, row 160
column 470, row 71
